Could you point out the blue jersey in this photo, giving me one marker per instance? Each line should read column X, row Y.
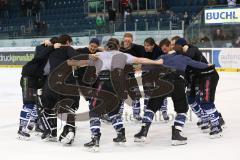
column 180, row 62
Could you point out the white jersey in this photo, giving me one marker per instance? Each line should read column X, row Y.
column 109, row 60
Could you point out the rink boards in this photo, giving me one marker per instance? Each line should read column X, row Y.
column 225, row 59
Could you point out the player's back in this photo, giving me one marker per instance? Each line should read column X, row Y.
column 108, row 60
column 58, row 56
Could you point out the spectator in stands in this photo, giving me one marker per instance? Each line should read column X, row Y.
column 222, row 2
column 4, row 7
column 219, row 35
column 35, row 7
column 40, row 27
column 218, row 38
column 108, row 4
column 186, row 18
column 231, row 3
column 205, row 42
column 236, row 43
column 23, row 8
column 112, row 19
column 100, row 22
column 212, row 2
column 125, row 8
column 42, row 4
column 29, row 5
column 37, row 27
column 1, row 8
column 112, row 14
column 44, row 28
column 165, row 5
column 124, row 4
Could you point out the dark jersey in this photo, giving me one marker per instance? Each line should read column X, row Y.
column 58, row 56
column 85, row 51
column 195, row 54
column 155, row 54
column 136, row 50
column 35, row 67
column 87, row 72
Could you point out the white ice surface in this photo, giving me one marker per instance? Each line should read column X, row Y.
column 157, row 147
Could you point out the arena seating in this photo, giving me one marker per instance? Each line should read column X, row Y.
column 64, row 16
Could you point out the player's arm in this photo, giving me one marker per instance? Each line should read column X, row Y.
column 83, row 63
column 135, row 60
column 42, row 50
column 197, row 64
column 77, row 63
column 147, row 61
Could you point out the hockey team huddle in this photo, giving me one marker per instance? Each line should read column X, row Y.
column 105, row 77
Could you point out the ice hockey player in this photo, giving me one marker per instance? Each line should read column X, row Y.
column 33, row 78
column 86, row 75
column 51, row 99
column 153, row 52
column 109, row 62
column 202, row 86
column 178, row 62
column 138, row 51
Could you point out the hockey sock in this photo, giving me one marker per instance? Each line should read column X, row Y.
column 26, row 115
column 212, row 113
column 95, row 125
column 146, row 99
column 148, row 117
column 117, row 122
column 179, row 121
column 121, row 108
column 136, row 108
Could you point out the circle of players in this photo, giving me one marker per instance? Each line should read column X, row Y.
column 193, row 72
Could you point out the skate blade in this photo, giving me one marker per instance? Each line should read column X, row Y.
column 23, row 138
column 178, row 143
column 206, row 130
column 37, row 133
column 140, row 140
column 93, row 149
column 68, row 139
column 50, row 139
column 219, row 135
column 122, row 144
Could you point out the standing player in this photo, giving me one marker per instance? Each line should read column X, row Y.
column 112, row 60
column 153, row 52
column 33, row 78
column 138, row 51
column 201, row 91
column 86, row 74
column 179, row 62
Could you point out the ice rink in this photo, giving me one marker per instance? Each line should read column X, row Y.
column 157, row 147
